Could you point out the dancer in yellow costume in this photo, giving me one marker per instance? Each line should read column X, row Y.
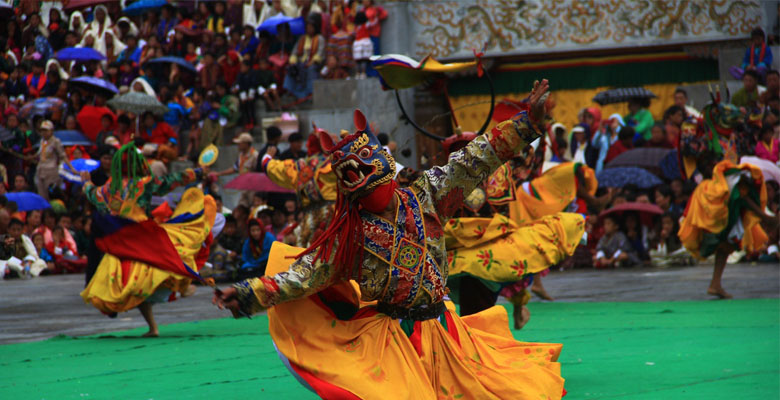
column 314, row 183
column 144, row 262
column 725, row 213
column 409, row 344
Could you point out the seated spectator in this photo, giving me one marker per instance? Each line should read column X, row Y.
column 106, row 122
column 35, row 81
column 772, row 89
column 305, row 60
column 43, row 254
column 747, row 96
column 246, row 84
column 624, row 143
column 758, row 57
column 614, row 249
column 332, row 69
column 767, row 147
column 658, row 138
column 296, row 148
column 666, row 249
column 255, row 250
column 227, row 105
column 249, row 42
column 154, row 131
column 19, row 254
column 637, row 234
column 266, row 84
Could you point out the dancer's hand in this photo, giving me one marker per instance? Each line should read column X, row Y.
column 271, row 151
column 85, row 177
column 227, row 299
column 537, row 98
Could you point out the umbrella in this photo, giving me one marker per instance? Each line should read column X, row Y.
column 137, row 103
column 172, row 60
column 92, row 83
column 43, row 106
column 622, row 176
column 645, row 157
column 670, row 166
column 26, row 201
column 646, row 211
column 71, row 138
column 141, row 6
column 770, row 170
column 89, row 120
column 79, row 54
column 297, row 26
column 622, row 94
column 255, row 181
column 77, row 4
column 79, row 165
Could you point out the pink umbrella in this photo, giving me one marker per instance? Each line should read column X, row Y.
column 257, row 182
column 646, row 211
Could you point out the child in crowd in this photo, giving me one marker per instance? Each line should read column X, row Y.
column 43, row 254
column 666, row 249
column 614, row 248
column 362, row 47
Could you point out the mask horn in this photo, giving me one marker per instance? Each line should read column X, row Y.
column 360, row 121
column 712, row 96
column 326, row 142
column 728, row 93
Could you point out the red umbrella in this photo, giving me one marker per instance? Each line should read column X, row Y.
column 646, row 211
column 257, row 182
column 89, row 120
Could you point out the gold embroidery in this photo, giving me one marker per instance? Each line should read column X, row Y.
column 359, row 142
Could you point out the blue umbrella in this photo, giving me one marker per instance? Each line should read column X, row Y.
column 27, row 201
column 142, row 6
column 92, row 83
column 79, row 165
column 622, row 176
column 173, row 60
column 297, row 25
column 72, row 138
column 80, row 54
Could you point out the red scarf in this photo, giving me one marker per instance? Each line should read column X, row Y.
column 753, row 53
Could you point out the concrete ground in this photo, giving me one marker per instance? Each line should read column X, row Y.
column 40, row 308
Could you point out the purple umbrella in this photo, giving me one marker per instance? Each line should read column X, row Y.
column 80, row 54
column 92, row 83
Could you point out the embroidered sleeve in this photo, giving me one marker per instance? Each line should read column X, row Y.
column 304, row 278
column 283, row 173
column 471, row 165
column 94, row 195
column 162, row 185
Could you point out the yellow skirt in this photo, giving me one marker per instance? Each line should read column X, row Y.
column 344, row 349
column 711, row 205
column 122, row 285
column 498, row 250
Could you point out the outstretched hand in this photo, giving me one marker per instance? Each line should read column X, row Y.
column 227, row 299
column 537, row 98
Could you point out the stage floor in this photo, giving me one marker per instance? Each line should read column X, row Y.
column 652, row 350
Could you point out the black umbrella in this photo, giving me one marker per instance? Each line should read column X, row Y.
column 622, row 94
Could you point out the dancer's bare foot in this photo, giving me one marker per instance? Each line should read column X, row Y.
column 720, row 292
column 189, row 291
column 522, row 315
column 151, row 333
column 540, row 291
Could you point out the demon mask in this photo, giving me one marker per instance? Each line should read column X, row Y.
column 359, row 160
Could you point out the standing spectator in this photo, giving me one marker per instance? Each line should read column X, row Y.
column 296, row 148
column 246, row 83
column 673, row 119
column 305, row 60
column 639, row 117
column 50, row 155
column 747, row 96
column 579, row 143
column 362, row 47
column 247, row 156
column 767, row 147
column 681, row 100
column 758, row 57
column 167, row 22
column 216, row 20
column 375, row 15
column 605, row 137
column 100, row 175
column 272, row 136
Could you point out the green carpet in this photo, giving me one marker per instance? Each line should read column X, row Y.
column 674, row 350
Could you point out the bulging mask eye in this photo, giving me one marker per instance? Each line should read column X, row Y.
column 365, row 152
